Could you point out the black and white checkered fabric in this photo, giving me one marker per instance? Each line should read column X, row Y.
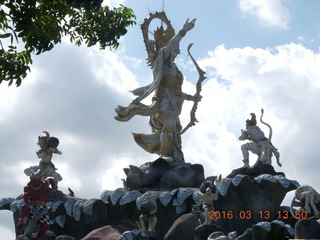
column 40, row 213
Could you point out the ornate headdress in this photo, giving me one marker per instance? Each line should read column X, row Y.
column 252, row 121
column 161, row 35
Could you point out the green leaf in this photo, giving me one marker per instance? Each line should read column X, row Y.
column 6, row 35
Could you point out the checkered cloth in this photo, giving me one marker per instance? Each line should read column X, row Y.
column 40, row 213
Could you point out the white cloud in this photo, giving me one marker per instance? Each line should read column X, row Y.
column 111, row 71
column 113, row 3
column 269, row 12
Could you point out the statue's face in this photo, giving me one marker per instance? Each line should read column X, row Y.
column 36, row 181
column 175, row 53
column 41, row 141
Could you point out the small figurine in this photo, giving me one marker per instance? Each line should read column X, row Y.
column 309, row 196
column 48, row 146
column 207, row 204
column 33, row 215
column 148, row 211
column 258, row 144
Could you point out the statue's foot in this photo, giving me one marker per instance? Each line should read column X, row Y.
column 246, row 163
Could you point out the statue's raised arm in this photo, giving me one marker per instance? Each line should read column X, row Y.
column 173, row 43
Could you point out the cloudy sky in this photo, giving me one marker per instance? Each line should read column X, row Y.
column 256, row 54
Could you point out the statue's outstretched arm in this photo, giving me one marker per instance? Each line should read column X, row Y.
column 174, row 42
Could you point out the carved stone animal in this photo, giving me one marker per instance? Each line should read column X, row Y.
column 310, row 197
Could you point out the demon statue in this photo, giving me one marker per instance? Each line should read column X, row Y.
column 148, row 211
column 168, row 98
column 33, row 217
column 258, row 144
column 48, row 146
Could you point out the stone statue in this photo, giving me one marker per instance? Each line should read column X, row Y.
column 258, row 144
column 166, row 105
column 148, row 211
column 309, row 196
column 48, row 146
column 207, row 204
column 34, row 217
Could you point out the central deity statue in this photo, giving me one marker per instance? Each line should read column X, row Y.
column 164, row 111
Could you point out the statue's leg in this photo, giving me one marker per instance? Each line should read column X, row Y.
column 167, row 138
column 245, row 154
column 252, row 147
column 265, row 152
column 142, row 223
column 43, row 229
column 313, row 199
column 31, row 228
column 166, row 144
column 307, row 202
column 152, row 223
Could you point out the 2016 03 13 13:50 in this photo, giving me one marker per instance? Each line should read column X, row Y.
column 260, row 215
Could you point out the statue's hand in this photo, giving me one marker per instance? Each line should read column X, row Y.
column 197, row 98
column 53, row 196
column 20, row 225
column 189, row 25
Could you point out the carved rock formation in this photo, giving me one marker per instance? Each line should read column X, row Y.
column 243, row 201
column 160, row 174
column 307, row 229
column 268, row 231
column 244, row 196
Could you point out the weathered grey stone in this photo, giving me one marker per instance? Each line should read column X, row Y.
column 105, row 196
column 174, row 191
column 22, row 237
column 266, row 177
column 64, row 237
column 180, row 208
column 307, row 229
column 223, row 186
column 237, row 179
column 88, row 205
column 182, row 176
column 268, row 231
column 215, row 235
column 5, row 203
column 117, row 194
column 16, row 205
column 137, row 179
column 165, row 197
column 61, row 220
column 184, row 193
column 77, row 209
column 184, row 227
column 55, row 205
column 129, row 197
column 68, row 205
column 109, row 232
column 203, row 231
column 197, row 198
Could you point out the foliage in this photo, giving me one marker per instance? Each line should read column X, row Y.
column 41, row 24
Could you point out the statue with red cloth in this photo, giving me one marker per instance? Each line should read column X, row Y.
column 34, row 217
